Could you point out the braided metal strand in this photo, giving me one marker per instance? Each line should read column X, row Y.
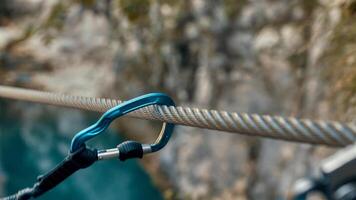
column 291, row 129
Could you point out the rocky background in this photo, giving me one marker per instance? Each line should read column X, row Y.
column 279, row 57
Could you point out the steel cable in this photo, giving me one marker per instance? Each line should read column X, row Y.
column 291, row 129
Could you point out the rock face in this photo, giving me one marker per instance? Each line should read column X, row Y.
column 265, row 57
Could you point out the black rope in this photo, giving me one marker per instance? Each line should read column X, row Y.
column 80, row 159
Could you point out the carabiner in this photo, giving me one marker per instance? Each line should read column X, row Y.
column 126, row 107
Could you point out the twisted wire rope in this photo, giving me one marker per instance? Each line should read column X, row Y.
column 329, row 133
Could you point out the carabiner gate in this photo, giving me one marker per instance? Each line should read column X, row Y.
column 128, row 149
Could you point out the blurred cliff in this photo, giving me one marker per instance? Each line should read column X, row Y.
column 282, row 57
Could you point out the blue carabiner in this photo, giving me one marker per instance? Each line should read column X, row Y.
column 128, row 106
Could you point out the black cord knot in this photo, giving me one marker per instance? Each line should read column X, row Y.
column 130, row 149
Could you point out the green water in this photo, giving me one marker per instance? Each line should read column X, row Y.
column 37, row 141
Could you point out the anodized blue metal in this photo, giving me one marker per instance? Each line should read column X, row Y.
column 128, row 106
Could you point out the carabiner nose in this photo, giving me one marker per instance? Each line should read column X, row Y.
column 126, row 107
